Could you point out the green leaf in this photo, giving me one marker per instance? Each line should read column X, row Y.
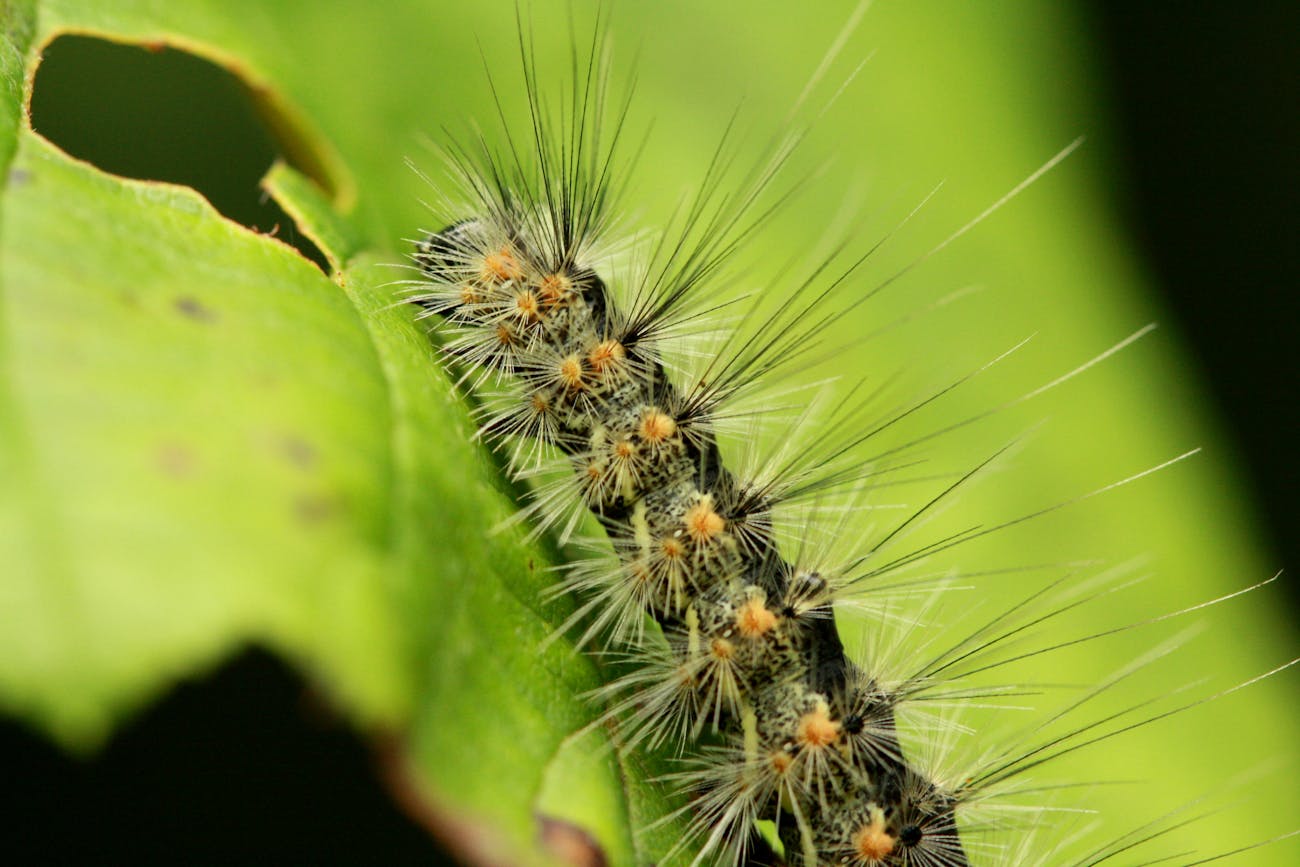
column 313, row 215
column 205, row 442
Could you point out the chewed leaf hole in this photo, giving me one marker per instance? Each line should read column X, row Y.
column 168, row 115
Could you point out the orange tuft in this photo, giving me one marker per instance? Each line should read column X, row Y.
column 606, row 354
column 872, row 841
column 505, row 336
column 570, row 371
column 526, row 304
column 657, row 426
column 672, row 549
column 781, row 761
column 640, row 573
column 817, row 729
column 554, row 288
column 500, row 266
column 721, row 648
column 702, row 523
column 468, row 293
column 754, row 620
column 624, row 449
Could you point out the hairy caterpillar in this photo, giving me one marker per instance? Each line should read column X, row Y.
column 806, row 740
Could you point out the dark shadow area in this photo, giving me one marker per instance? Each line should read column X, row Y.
column 241, row 768
column 167, row 115
column 1207, row 99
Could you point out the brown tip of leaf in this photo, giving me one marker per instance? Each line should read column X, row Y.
column 473, row 843
column 569, row 843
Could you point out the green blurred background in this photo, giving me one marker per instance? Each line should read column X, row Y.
column 1175, row 210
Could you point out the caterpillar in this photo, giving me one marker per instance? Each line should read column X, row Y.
column 731, row 636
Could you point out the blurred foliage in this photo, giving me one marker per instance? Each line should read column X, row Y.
column 206, row 441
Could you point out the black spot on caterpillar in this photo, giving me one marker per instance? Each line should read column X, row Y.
column 512, row 279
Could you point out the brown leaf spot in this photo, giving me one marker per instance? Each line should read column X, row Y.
column 193, row 308
column 176, row 460
column 313, row 508
column 298, row 452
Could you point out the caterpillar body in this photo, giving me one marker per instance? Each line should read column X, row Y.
column 734, row 650
column 752, row 642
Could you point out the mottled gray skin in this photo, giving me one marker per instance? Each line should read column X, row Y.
column 741, row 611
